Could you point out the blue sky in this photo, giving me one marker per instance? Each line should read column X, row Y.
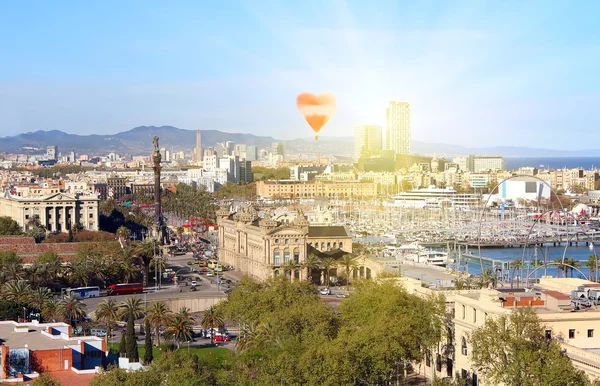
column 476, row 73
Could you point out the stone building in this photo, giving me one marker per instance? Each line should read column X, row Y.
column 263, row 247
column 56, row 212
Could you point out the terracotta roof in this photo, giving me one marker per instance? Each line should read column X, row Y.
column 557, row 295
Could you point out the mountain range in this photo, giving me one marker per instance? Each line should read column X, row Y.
column 138, row 141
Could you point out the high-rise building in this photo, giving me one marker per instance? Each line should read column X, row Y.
column 367, row 141
column 52, row 152
column 397, row 134
column 251, row 153
column 246, row 175
column 277, row 149
column 198, row 154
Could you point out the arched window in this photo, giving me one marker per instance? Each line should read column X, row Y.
column 322, row 246
column 368, row 273
column 329, row 246
column 334, row 245
column 276, row 272
column 341, row 245
column 463, row 346
column 297, row 274
column 362, row 272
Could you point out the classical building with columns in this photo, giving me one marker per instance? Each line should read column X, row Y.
column 264, row 247
column 57, row 212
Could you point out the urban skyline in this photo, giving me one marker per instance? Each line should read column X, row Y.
column 475, row 73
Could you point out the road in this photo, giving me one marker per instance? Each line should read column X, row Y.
column 169, row 290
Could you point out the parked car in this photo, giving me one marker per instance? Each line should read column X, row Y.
column 209, row 274
column 194, row 283
column 221, row 338
column 325, row 291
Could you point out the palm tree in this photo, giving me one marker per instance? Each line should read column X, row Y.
column 123, row 234
column 573, row 263
column 350, row 264
column 212, row 319
column 129, row 269
column 560, row 266
column 72, row 309
column 486, row 277
column 247, row 338
column 258, row 337
column 51, row 310
column 108, row 311
column 159, row 315
column 591, row 264
column 288, row 268
column 132, row 306
column 13, row 272
column 328, row 263
column 16, row 291
column 39, row 297
column 516, row 264
column 180, row 327
column 145, row 250
column 311, row 262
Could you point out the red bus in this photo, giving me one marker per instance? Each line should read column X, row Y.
column 124, row 289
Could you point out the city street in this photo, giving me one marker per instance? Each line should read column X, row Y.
column 168, row 289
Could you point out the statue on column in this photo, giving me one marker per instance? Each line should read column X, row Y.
column 159, row 228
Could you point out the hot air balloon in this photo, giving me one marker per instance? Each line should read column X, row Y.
column 316, row 109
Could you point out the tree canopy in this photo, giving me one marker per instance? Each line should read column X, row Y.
column 290, row 336
column 9, row 227
column 513, row 350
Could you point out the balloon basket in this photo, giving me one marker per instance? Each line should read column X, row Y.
column 316, row 137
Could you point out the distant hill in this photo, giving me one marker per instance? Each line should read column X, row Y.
column 138, row 141
column 135, row 141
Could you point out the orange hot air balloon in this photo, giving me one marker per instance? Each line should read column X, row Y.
column 316, row 109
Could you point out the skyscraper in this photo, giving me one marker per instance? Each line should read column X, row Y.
column 52, row 152
column 198, row 154
column 367, row 141
column 397, row 134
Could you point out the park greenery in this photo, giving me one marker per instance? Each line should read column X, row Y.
column 289, row 336
column 230, row 190
column 263, row 173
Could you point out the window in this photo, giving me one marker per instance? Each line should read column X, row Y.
column 571, row 334
column 91, row 215
column 463, row 346
column 296, row 256
column 438, row 363
column 276, row 272
column 591, row 333
column 474, row 315
column 286, row 256
column 276, row 241
column 464, row 312
column 548, row 334
column 287, row 241
column 276, row 258
column 341, row 246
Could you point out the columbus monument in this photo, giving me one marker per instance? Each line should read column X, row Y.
column 158, row 219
